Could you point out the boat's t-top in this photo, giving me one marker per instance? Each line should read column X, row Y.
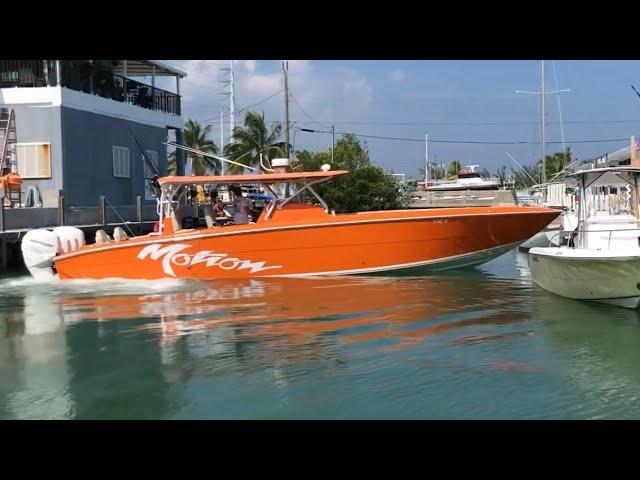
column 607, row 206
column 172, row 189
column 600, row 184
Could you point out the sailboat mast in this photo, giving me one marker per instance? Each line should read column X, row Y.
column 542, row 97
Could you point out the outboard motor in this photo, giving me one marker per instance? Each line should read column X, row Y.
column 71, row 238
column 39, row 248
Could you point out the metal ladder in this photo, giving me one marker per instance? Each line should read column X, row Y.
column 7, row 137
column 8, row 160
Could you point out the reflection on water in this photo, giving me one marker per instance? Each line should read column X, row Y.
column 478, row 343
column 600, row 350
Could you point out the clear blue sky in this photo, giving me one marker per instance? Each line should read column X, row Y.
column 446, row 92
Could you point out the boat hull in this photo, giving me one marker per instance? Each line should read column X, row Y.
column 326, row 245
column 587, row 275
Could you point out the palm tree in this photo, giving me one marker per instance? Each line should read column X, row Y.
column 195, row 136
column 453, row 169
column 556, row 163
column 253, row 139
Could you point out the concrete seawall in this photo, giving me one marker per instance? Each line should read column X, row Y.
column 463, row 198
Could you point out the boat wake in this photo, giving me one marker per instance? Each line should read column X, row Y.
column 110, row 286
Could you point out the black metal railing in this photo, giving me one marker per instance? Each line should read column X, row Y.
column 27, row 73
column 102, row 82
column 87, row 78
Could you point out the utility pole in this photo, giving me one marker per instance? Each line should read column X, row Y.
column 333, row 141
column 232, row 108
column 232, row 100
column 542, row 94
column 426, row 159
column 285, row 69
column 221, row 139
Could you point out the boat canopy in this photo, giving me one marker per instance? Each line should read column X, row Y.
column 611, row 176
column 263, row 178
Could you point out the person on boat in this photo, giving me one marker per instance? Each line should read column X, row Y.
column 218, row 207
column 241, row 207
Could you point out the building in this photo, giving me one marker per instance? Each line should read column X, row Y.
column 619, row 157
column 76, row 126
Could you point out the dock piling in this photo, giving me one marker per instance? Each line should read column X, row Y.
column 139, row 213
column 102, row 213
column 60, row 208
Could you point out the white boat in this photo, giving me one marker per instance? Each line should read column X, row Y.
column 469, row 178
column 601, row 260
column 551, row 195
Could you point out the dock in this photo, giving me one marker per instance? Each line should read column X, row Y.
column 15, row 222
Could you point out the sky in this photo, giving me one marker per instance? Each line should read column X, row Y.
column 448, row 100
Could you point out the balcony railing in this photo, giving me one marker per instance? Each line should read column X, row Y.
column 89, row 79
column 27, row 73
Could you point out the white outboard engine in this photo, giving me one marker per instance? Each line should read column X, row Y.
column 39, row 248
column 71, row 238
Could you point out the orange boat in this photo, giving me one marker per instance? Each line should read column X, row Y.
column 291, row 237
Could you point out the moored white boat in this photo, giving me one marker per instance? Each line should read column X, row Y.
column 601, row 261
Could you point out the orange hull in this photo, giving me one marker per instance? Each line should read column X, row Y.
column 302, row 240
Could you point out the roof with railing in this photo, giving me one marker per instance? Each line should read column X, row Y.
column 104, row 80
column 145, row 68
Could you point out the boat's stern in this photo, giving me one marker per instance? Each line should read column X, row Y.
column 40, row 248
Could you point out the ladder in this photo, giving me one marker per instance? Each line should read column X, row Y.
column 8, row 141
column 7, row 138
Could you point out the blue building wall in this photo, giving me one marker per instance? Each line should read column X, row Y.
column 87, row 152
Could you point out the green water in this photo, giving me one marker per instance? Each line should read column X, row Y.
column 475, row 344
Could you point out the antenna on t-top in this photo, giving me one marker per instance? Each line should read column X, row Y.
column 634, row 89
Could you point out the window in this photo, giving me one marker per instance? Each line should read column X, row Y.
column 148, row 173
column 121, row 166
column 34, row 160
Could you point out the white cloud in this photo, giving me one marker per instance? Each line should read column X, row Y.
column 299, row 66
column 202, row 77
column 398, row 76
column 263, row 85
column 326, row 91
column 249, row 65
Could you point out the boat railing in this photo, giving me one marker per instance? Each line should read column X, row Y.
column 570, row 236
column 270, row 209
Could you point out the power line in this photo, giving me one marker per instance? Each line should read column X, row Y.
column 454, row 124
column 245, row 108
column 480, row 142
column 304, row 112
column 448, row 124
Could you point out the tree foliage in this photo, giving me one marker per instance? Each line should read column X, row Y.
column 253, row 139
column 365, row 188
column 195, row 136
column 555, row 164
column 501, row 174
column 453, row 169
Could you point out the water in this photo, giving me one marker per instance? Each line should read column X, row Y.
column 476, row 344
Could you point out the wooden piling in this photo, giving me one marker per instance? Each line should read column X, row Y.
column 60, row 208
column 139, row 213
column 102, row 213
